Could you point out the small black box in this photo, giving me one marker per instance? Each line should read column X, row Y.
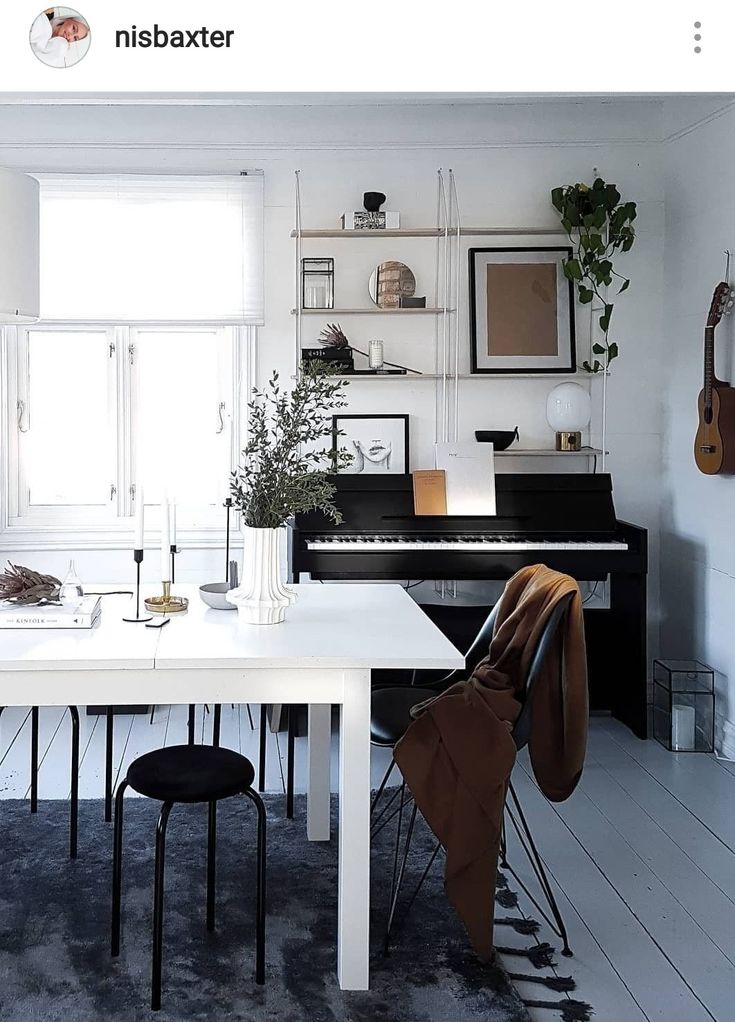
column 338, row 358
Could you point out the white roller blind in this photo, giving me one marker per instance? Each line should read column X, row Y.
column 148, row 248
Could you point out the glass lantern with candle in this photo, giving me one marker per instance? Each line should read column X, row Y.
column 684, row 705
column 317, row 283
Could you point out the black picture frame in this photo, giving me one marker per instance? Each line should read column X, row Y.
column 566, row 361
column 402, row 430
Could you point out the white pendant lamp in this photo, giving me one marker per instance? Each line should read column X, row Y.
column 19, row 248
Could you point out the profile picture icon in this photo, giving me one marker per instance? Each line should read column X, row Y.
column 60, row 37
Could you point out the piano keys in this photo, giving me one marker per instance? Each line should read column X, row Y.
column 483, row 544
column 566, row 521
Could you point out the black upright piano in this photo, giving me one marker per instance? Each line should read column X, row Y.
column 566, row 521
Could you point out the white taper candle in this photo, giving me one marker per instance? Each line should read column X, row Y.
column 165, row 540
column 138, row 537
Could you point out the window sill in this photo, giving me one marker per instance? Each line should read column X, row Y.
column 20, row 538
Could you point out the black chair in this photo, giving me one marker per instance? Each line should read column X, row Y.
column 390, row 709
column 390, row 719
column 74, row 800
column 188, row 774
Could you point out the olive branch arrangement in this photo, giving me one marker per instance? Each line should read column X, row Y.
column 598, row 225
column 284, row 468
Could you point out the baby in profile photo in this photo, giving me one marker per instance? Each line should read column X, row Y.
column 60, row 37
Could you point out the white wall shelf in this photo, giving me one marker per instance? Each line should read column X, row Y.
column 437, row 376
column 545, row 452
column 339, row 232
column 498, row 232
column 431, row 232
column 370, row 312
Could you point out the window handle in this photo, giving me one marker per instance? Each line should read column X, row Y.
column 221, row 417
column 21, row 416
column 113, row 491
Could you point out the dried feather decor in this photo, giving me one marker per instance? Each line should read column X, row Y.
column 24, row 586
column 333, row 336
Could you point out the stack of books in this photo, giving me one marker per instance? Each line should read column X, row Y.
column 51, row 615
column 360, row 220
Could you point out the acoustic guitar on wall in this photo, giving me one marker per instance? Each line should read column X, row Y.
column 714, row 445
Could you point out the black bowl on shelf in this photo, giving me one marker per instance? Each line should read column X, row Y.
column 501, row 439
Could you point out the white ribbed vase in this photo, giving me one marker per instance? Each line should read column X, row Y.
column 261, row 598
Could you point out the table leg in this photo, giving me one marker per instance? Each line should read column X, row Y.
column 353, row 924
column 109, row 736
column 290, row 756
column 318, row 772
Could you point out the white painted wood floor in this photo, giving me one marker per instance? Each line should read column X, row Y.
column 643, row 854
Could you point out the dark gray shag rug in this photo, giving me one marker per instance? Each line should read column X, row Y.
column 55, row 914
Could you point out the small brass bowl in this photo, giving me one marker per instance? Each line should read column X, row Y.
column 166, row 604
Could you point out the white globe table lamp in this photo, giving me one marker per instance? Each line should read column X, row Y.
column 568, row 412
column 19, row 248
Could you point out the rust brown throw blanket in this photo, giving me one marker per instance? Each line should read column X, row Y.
column 458, row 753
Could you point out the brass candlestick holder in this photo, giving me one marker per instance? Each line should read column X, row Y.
column 166, row 603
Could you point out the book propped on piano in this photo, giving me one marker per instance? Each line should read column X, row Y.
column 470, row 477
column 429, row 492
column 51, row 615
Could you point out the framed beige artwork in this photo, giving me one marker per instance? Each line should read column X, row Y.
column 521, row 311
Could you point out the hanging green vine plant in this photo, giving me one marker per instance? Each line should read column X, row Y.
column 598, row 224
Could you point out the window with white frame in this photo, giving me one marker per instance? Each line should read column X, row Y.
column 151, row 291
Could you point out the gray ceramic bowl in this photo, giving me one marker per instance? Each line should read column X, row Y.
column 213, row 595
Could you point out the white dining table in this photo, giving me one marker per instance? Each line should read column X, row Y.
column 333, row 637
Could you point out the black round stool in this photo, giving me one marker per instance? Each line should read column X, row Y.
column 188, row 773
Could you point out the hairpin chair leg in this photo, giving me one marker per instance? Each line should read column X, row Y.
column 399, row 884
column 399, row 826
column 381, row 788
column 260, row 890
column 250, row 716
column 158, row 906
column 34, row 759
column 261, row 751
column 211, row 863
column 191, row 723
column 381, row 820
column 503, row 845
column 74, row 801
column 539, row 869
column 109, row 735
column 117, row 869
column 290, row 761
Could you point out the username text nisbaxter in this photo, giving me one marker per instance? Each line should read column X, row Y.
column 176, row 38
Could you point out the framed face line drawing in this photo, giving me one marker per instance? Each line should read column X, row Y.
column 378, row 444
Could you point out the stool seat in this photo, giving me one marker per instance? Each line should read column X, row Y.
column 191, row 773
column 390, row 712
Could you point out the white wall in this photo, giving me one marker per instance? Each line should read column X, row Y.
column 698, row 511
column 506, row 157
